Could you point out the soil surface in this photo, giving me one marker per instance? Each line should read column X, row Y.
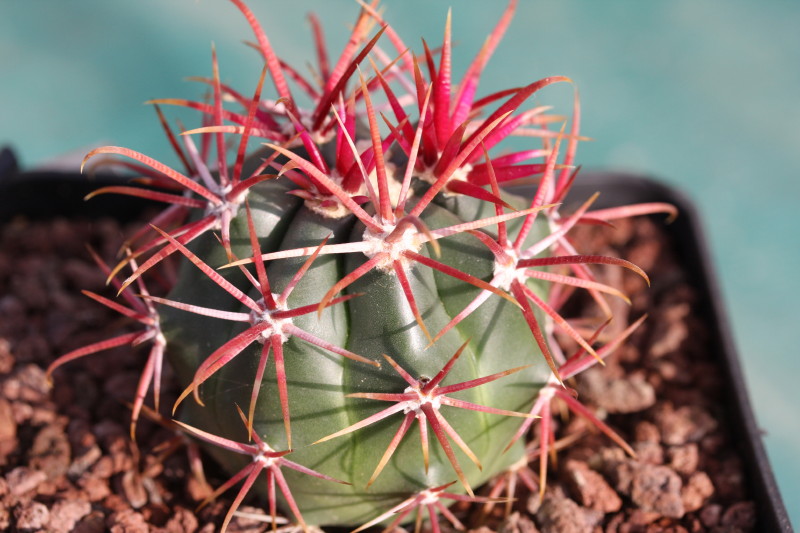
column 67, row 462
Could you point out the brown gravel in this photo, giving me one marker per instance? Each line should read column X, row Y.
column 590, row 489
column 67, row 464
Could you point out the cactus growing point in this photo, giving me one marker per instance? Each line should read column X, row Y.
column 359, row 264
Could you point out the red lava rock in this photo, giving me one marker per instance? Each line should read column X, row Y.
column 31, row 516
column 65, row 514
column 649, row 452
column 155, row 514
column 684, row 459
column 43, row 415
column 116, row 441
column 251, row 520
column 50, row 452
column 95, row 488
column 133, row 489
column 590, row 488
column 182, row 521
column 729, row 480
column 115, row 503
column 517, row 523
column 533, row 504
column 620, row 471
column 670, row 330
column 5, row 517
column 22, row 412
column 689, row 423
column 197, row 489
column 126, row 521
column 713, row 444
column 6, row 358
column 657, row 489
column 8, row 430
column 696, row 491
column 94, row 522
column 665, row 528
column 695, row 525
column 88, row 457
column 641, row 518
column 646, row 431
column 32, row 382
column 23, row 479
column 739, row 517
column 624, row 394
column 559, row 514
column 711, row 514
column 612, row 525
column 104, row 467
column 80, row 435
column 635, row 521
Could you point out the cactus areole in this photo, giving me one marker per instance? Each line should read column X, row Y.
column 376, row 321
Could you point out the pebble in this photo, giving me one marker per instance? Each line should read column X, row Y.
column 6, row 358
column 8, row 430
column 657, row 489
column 649, row 452
column 711, row 514
column 126, row 521
column 696, row 491
column 625, row 394
column 670, row 330
column 65, row 514
column 182, row 521
column 646, row 431
column 590, row 488
column 683, row 459
column 50, row 452
column 94, row 522
column 688, row 423
column 740, row 516
column 652, row 488
column 31, row 516
column 559, row 514
column 518, row 523
column 23, row 479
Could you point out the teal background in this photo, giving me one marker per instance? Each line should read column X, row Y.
column 703, row 94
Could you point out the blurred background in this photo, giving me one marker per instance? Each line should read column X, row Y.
column 703, row 95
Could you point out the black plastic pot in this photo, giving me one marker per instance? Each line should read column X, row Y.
column 48, row 194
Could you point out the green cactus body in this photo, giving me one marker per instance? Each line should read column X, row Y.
column 378, row 321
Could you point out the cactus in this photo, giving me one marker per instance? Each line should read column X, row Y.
column 366, row 315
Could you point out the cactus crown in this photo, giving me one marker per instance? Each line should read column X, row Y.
column 358, row 278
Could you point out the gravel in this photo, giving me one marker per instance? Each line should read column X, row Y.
column 68, row 464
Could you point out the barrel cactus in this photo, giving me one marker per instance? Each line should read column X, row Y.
column 357, row 280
